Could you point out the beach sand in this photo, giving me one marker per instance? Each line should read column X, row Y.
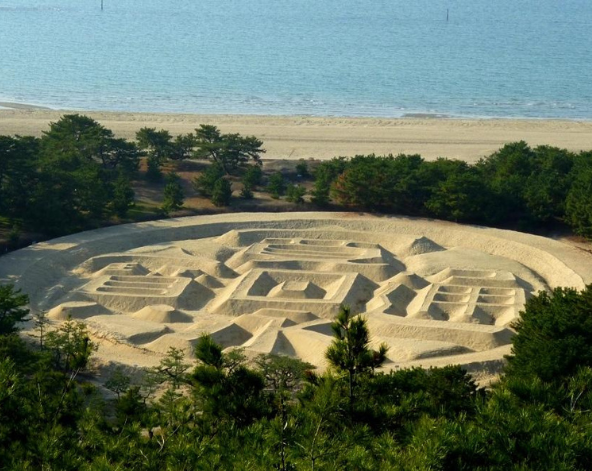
column 296, row 137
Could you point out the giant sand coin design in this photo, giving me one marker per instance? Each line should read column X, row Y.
column 435, row 293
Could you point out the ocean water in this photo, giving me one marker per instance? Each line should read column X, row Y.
column 502, row 58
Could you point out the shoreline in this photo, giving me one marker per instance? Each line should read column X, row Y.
column 14, row 105
column 296, row 137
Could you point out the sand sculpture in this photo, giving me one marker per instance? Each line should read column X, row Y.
column 435, row 293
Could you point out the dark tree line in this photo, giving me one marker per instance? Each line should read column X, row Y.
column 83, row 175
column 517, row 186
column 222, row 412
column 78, row 174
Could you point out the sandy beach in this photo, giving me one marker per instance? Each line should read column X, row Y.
column 295, row 137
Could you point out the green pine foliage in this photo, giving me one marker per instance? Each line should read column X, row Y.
column 295, row 194
column 554, row 335
column 160, row 147
column 229, row 151
column 14, row 236
column 205, row 183
column 302, row 169
column 350, row 352
column 324, row 175
column 123, row 195
column 173, row 193
column 222, row 193
column 252, row 176
column 578, row 205
column 519, row 186
column 461, row 197
column 65, row 181
column 276, row 185
column 247, row 193
column 12, row 309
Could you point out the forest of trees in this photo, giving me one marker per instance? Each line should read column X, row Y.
column 77, row 172
column 221, row 412
column 516, row 186
column 78, row 176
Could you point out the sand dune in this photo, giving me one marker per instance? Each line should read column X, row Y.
column 436, row 293
column 287, row 137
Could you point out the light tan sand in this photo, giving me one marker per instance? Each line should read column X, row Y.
column 324, row 138
column 436, row 293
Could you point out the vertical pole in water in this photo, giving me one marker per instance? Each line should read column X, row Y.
column 101, row 5
column 447, row 13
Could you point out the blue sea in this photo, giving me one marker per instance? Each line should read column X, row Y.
column 475, row 58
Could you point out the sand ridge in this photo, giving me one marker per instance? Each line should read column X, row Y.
column 295, row 137
column 436, row 293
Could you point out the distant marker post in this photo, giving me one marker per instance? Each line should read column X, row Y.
column 102, row 5
column 447, row 13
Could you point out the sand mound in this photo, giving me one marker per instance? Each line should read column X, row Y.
column 76, row 310
column 161, row 313
column 231, row 335
column 297, row 317
column 435, row 293
column 420, row 246
column 123, row 269
column 411, row 280
column 254, row 323
column 127, row 329
column 195, row 296
column 209, row 281
column 270, row 340
column 402, row 349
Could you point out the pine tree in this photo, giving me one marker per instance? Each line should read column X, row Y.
column 159, row 147
column 230, row 151
column 284, row 377
column 252, row 176
column 295, row 194
column 247, row 193
column 205, row 183
column 41, row 326
column 302, row 169
column 276, row 185
column 350, row 351
column 250, row 180
column 554, row 334
column 123, row 195
column 222, row 193
column 12, row 309
column 227, row 388
column 578, row 206
column 173, row 193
